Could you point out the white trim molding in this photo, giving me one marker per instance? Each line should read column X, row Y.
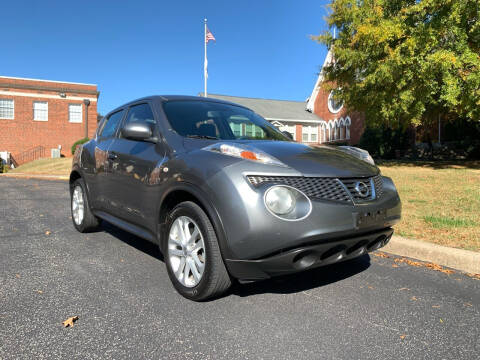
column 295, row 120
column 45, row 96
column 49, row 81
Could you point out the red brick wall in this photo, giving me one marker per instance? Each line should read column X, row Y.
column 357, row 119
column 23, row 133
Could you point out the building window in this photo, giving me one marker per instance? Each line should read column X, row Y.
column 6, row 108
column 75, row 113
column 331, row 128
column 236, row 128
column 342, row 129
column 310, row 133
column 323, row 133
column 40, row 111
column 348, row 122
column 334, row 106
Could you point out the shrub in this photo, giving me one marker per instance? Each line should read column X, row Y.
column 384, row 142
column 78, row 142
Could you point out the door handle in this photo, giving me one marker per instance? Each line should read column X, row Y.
column 112, row 156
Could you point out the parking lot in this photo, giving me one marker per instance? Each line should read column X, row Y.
column 117, row 285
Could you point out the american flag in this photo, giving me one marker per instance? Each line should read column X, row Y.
column 209, row 36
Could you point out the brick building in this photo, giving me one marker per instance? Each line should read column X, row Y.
column 39, row 115
column 339, row 124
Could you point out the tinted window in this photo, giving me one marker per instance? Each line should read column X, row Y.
column 217, row 120
column 140, row 113
column 111, row 124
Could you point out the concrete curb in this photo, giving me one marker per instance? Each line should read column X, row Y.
column 463, row 260
column 35, row 176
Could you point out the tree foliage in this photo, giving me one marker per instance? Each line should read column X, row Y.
column 406, row 61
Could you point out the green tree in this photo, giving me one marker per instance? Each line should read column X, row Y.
column 406, row 62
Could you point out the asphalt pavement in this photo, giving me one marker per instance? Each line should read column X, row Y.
column 368, row 308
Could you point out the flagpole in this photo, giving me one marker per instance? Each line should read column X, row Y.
column 205, row 60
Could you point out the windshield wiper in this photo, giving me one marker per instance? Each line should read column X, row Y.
column 196, row 136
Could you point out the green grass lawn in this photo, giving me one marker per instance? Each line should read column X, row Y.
column 441, row 201
column 60, row 166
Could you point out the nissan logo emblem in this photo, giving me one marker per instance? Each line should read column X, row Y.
column 362, row 189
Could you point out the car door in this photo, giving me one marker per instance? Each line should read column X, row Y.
column 134, row 165
column 98, row 188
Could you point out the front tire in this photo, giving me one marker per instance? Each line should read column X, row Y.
column 82, row 216
column 192, row 255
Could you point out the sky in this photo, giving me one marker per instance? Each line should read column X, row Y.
column 132, row 49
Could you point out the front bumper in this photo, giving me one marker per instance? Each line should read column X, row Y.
column 308, row 257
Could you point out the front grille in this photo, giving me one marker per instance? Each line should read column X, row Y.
column 341, row 190
column 313, row 187
column 378, row 183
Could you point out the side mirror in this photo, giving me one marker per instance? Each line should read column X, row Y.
column 139, row 131
column 287, row 134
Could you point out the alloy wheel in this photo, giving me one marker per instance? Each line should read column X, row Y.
column 186, row 251
column 78, row 209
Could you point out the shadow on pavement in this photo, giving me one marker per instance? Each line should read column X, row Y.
column 306, row 280
column 138, row 243
column 286, row 284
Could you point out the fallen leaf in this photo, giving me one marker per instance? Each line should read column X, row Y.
column 18, row 276
column 394, row 265
column 431, row 266
column 468, row 304
column 48, row 232
column 403, row 336
column 441, row 320
column 403, row 289
column 70, row 321
column 436, row 306
column 40, row 291
column 370, row 287
column 381, row 254
column 413, row 298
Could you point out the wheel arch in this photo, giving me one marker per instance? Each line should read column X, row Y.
column 189, row 192
column 74, row 176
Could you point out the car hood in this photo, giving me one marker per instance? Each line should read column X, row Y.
column 324, row 161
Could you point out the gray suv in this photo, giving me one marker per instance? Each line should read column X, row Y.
column 226, row 195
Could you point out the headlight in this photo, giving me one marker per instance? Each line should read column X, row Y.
column 287, row 203
column 243, row 151
column 280, row 200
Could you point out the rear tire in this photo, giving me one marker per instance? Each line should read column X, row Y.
column 192, row 255
column 82, row 216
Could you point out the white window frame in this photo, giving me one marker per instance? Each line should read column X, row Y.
column 348, row 122
column 7, row 108
column 342, row 129
column 40, row 114
column 323, row 133
column 330, row 108
column 75, row 121
column 331, row 130
column 310, row 130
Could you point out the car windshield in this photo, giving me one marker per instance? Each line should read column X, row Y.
column 212, row 120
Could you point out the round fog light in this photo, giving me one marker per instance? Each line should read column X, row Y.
column 280, row 200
